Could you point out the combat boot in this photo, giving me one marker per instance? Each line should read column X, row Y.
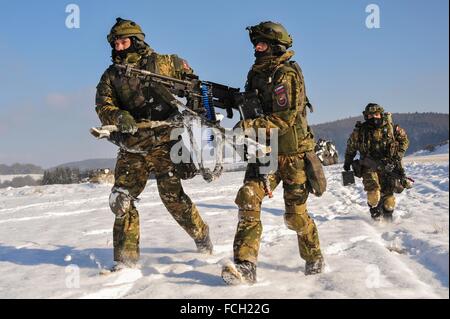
column 240, row 273
column 314, row 267
column 204, row 245
column 376, row 212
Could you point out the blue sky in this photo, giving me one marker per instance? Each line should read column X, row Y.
column 49, row 72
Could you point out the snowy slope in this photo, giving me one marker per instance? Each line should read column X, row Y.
column 440, row 150
column 49, row 233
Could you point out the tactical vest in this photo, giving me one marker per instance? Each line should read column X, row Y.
column 299, row 138
column 137, row 97
column 378, row 143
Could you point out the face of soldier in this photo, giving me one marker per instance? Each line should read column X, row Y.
column 122, row 44
column 375, row 120
column 376, row 116
column 261, row 47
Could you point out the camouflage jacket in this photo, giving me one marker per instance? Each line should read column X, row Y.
column 281, row 91
column 386, row 142
column 117, row 93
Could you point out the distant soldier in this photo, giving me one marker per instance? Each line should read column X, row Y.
column 125, row 101
column 381, row 146
column 280, row 89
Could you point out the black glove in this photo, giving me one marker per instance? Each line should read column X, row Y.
column 126, row 123
column 347, row 166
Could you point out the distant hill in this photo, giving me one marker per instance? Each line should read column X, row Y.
column 20, row 169
column 422, row 128
column 90, row 164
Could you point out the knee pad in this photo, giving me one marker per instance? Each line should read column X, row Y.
column 120, row 201
column 389, row 203
column 248, row 198
column 373, row 198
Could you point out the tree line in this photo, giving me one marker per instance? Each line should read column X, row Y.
column 59, row 175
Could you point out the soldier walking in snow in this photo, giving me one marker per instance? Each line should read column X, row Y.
column 124, row 102
column 381, row 146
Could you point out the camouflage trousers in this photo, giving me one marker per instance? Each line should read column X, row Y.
column 379, row 188
column 291, row 171
column 131, row 174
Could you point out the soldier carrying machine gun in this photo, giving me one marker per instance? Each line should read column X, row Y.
column 202, row 99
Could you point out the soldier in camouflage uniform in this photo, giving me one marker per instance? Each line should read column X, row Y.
column 379, row 139
column 281, row 92
column 124, row 102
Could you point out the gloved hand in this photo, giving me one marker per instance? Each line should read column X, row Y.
column 126, row 123
column 407, row 183
column 347, row 166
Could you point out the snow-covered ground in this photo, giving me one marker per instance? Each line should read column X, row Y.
column 54, row 239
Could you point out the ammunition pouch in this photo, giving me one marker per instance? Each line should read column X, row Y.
column 317, row 183
column 348, row 178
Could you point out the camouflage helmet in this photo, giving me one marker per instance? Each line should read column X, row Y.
column 124, row 29
column 270, row 32
column 372, row 108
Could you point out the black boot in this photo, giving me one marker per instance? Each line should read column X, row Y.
column 314, row 267
column 376, row 212
column 240, row 273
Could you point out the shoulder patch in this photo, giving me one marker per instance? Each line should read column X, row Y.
column 281, row 95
